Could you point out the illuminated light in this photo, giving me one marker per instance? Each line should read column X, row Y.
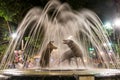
column 14, row 35
column 108, row 25
column 109, row 44
column 117, row 22
column 104, row 44
column 101, row 53
column 70, row 37
column 15, row 51
column 91, row 49
column 85, row 60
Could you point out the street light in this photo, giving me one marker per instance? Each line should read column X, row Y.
column 117, row 22
column 14, row 35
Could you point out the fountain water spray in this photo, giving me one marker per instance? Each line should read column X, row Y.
column 57, row 22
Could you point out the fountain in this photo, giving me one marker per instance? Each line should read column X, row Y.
column 61, row 38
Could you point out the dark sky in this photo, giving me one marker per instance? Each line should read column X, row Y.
column 106, row 9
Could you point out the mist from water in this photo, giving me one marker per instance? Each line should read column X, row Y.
column 57, row 22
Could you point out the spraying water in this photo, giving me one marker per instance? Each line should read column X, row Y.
column 58, row 22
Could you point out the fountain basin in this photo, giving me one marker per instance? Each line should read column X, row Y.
column 78, row 74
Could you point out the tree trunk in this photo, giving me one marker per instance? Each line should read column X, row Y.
column 10, row 31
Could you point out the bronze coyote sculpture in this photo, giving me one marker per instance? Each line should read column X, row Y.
column 45, row 56
column 74, row 52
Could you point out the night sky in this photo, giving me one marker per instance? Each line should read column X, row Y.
column 106, row 9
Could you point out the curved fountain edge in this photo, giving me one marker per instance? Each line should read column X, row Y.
column 45, row 72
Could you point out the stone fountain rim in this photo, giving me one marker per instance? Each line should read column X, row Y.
column 45, row 72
